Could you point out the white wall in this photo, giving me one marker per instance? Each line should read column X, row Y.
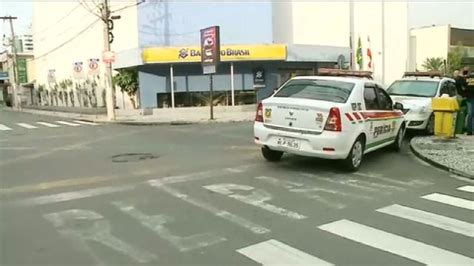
column 65, row 32
column 428, row 42
column 328, row 23
column 282, row 22
column 322, row 23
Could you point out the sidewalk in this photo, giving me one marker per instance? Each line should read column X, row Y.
column 189, row 115
column 455, row 155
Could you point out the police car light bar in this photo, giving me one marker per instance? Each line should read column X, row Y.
column 344, row 73
column 430, row 74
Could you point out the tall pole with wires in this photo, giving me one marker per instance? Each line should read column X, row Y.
column 108, row 65
column 16, row 83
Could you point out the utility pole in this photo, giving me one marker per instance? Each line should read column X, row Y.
column 108, row 38
column 351, row 35
column 15, row 65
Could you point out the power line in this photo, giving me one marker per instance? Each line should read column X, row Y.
column 126, row 7
column 57, row 22
column 68, row 41
column 86, row 7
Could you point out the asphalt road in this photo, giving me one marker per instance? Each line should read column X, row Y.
column 82, row 194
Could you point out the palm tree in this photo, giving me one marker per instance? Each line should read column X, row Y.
column 434, row 64
column 127, row 80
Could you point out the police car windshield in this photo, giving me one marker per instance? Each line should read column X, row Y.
column 323, row 90
column 416, row 88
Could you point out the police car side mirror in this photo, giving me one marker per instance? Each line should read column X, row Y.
column 398, row 106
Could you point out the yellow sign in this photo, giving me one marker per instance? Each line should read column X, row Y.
column 229, row 53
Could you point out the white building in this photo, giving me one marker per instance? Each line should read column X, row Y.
column 66, row 33
column 26, row 43
column 437, row 41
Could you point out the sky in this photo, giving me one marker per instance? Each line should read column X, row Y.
column 458, row 13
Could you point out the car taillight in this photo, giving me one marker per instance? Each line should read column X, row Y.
column 259, row 116
column 334, row 122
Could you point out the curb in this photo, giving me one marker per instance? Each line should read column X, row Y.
column 439, row 165
column 172, row 123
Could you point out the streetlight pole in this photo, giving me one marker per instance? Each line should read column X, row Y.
column 16, row 82
column 108, row 65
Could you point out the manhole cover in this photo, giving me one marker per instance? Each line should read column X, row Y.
column 133, row 157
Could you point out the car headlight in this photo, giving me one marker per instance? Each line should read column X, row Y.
column 424, row 110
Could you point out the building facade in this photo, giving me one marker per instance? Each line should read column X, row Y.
column 278, row 38
column 438, row 41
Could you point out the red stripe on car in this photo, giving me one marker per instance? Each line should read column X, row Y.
column 349, row 117
column 357, row 116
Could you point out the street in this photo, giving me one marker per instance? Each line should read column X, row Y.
column 79, row 193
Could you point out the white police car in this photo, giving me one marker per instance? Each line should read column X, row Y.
column 330, row 116
column 415, row 91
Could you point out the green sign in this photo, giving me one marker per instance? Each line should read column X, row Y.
column 22, row 70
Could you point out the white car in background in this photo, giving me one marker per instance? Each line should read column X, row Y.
column 416, row 91
column 329, row 117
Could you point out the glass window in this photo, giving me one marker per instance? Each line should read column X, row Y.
column 317, row 89
column 416, row 88
column 385, row 103
column 370, row 98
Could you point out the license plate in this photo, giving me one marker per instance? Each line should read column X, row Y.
column 288, row 142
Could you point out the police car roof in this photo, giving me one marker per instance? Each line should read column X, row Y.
column 345, row 79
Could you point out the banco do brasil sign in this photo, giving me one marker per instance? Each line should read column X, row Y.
column 228, row 53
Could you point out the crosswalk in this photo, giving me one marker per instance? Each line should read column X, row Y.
column 274, row 252
column 43, row 124
column 272, row 247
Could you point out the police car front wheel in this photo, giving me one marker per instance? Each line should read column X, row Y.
column 271, row 155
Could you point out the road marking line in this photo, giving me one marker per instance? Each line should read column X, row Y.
column 258, row 198
column 308, row 192
column 255, row 228
column 98, row 179
column 85, row 122
column 3, row 127
column 435, row 220
column 395, row 244
column 467, row 188
column 158, row 223
column 411, row 183
column 201, row 175
column 25, row 125
column 56, row 184
column 67, row 123
column 47, row 124
column 450, row 200
column 68, row 196
column 273, row 252
column 345, row 182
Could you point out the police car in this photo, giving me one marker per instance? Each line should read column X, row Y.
column 336, row 115
column 415, row 91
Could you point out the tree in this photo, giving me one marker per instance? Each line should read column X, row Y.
column 127, row 80
column 434, row 64
column 455, row 57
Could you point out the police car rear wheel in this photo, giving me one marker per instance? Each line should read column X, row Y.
column 354, row 159
column 270, row 155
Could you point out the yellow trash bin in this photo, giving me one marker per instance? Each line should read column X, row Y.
column 445, row 111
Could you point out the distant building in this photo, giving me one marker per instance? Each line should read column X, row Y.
column 438, row 41
column 26, row 43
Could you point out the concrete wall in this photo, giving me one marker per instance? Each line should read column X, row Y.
column 65, row 32
column 428, row 42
